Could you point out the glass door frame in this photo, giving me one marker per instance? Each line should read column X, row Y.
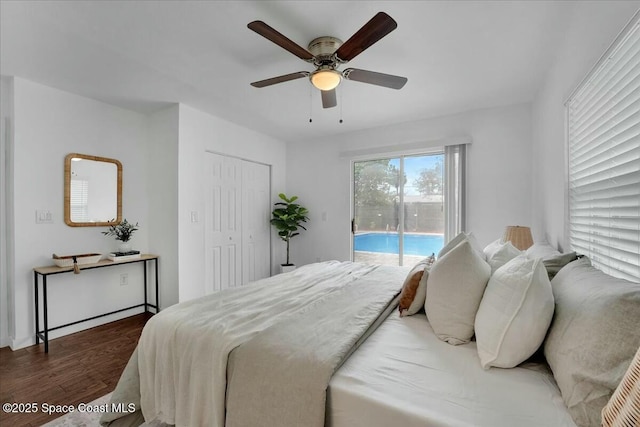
column 387, row 156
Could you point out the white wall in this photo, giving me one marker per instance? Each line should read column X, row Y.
column 201, row 132
column 162, row 198
column 498, row 175
column 49, row 124
column 162, row 156
column 592, row 28
column 6, row 118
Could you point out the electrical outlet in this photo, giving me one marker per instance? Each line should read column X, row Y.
column 124, row 279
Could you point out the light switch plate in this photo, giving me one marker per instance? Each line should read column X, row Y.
column 44, row 217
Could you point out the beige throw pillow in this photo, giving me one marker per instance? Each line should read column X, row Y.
column 514, row 314
column 554, row 264
column 455, row 286
column 593, row 337
column 414, row 290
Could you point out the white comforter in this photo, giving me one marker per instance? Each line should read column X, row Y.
column 183, row 352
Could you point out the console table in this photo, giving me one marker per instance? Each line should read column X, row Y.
column 50, row 270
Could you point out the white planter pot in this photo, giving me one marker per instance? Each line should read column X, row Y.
column 124, row 247
column 287, row 268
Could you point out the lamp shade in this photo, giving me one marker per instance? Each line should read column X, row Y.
column 520, row 237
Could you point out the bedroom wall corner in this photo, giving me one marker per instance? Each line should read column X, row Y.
column 581, row 49
column 48, row 124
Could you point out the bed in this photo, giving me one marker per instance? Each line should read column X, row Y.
column 323, row 345
column 404, row 375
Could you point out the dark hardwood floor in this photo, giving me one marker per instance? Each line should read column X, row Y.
column 79, row 368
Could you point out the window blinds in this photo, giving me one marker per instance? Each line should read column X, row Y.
column 603, row 118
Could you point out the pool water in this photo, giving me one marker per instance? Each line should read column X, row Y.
column 414, row 244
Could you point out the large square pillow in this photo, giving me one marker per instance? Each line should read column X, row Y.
column 514, row 314
column 414, row 289
column 492, row 247
column 455, row 286
column 502, row 255
column 593, row 337
column 541, row 250
column 554, row 264
column 459, row 239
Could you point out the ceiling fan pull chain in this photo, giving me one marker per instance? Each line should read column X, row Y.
column 310, row 104
column 341, row 103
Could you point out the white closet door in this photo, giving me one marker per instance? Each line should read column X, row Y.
column 256, row 228
column 223, row 239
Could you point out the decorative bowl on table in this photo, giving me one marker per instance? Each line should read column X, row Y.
column 67, row 260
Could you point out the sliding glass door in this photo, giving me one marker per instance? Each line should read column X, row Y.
column 399, row 209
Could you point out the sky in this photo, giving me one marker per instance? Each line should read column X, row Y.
column 412, row 167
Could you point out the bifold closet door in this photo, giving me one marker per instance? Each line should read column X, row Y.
column 223, row 226
column 256, row 226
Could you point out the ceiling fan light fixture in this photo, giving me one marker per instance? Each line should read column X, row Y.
column 325, row 79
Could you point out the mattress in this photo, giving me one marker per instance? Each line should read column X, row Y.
column 404, row 375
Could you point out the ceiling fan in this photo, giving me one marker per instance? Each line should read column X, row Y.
column 328, row 53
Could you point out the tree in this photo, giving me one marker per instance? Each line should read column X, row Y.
column 372, row 183
column 430, row 180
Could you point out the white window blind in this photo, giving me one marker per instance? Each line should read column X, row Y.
column 603, row 117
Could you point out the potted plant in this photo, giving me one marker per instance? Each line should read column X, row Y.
column 123, row 232
column 287, row 219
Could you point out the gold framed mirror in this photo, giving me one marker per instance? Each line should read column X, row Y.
column 92, row 191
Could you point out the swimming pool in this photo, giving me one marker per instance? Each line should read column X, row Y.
column 414, row 244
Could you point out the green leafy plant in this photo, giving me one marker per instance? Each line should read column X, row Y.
column 122, row 231
column 288, row 218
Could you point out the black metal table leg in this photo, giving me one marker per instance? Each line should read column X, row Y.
column 35, row 286
column 157, row 294
column 146, row 304
column 45, row 314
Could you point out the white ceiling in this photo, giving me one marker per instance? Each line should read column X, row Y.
column 143, row 55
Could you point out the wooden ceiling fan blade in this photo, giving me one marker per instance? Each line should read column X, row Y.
column 280, row 79
column 281, row 40
column 378, row 27
column 371, row 77
column 329, row 99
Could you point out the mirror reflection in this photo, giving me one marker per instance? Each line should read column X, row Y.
column 93, row 190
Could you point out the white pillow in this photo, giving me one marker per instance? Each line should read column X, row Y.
column 455, row 286
column 515, row 313
column 542, row 250
column 459, row 239
column 491, row 248
column 505, row 253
